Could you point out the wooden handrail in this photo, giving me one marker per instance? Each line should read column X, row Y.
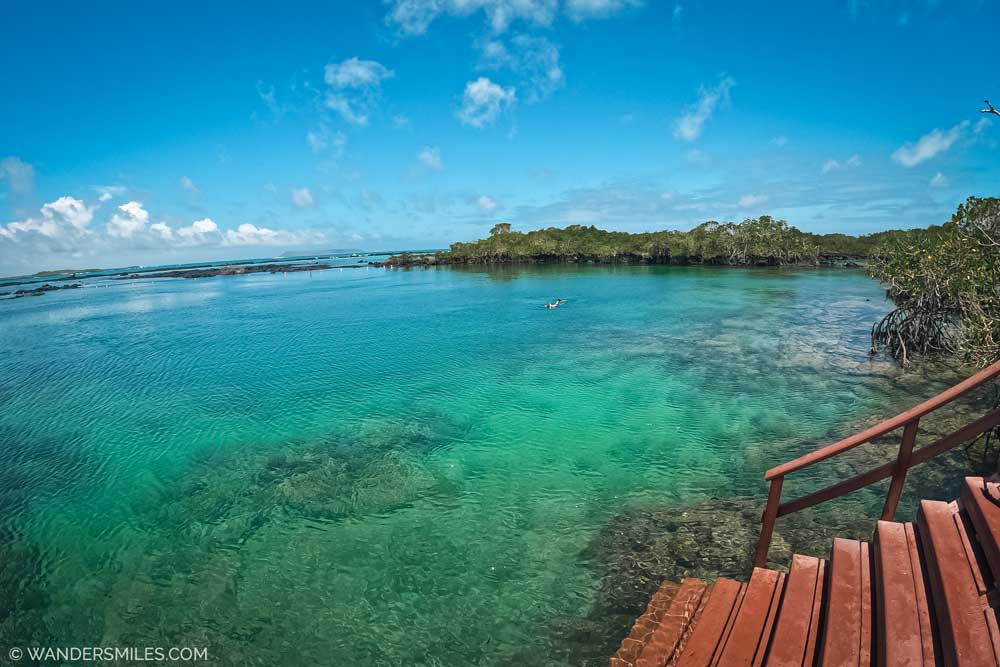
column 906, row 458
column 945, row 397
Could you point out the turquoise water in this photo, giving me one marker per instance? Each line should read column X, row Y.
column 391, row 467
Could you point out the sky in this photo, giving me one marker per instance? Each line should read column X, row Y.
column 133, row 134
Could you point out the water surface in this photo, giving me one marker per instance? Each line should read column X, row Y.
column 390, row 467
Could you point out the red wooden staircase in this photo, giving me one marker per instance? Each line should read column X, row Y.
column 923, row 593
column 920, row 594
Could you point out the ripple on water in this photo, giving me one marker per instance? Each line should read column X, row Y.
column 405, row 467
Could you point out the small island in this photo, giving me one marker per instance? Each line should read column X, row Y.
column 761, row 241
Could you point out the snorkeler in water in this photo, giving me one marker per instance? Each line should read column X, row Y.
column 555, row 304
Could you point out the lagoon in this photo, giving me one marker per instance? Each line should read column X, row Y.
column 389, row 467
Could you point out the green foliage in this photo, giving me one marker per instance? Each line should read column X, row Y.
column 946, row 285
column 762, row 240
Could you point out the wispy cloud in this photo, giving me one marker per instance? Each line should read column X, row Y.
column 534, row 60
column 486, row 203
column 483, row 101
column 19, row 175
column 748, row 201
column 414, row 17
column 838, row 165
column 302, row 198
column 691, row 123
column 926, row 147
column 430, row 157
column 187, row 184
column 354, row 88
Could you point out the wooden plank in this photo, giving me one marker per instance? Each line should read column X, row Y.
column 847, row 635
column 772, row 616
column 643, row 627
column 967, row 625
column 817, row 611
column 980, row 500
column 900, row 469
column 865, row 648
column 746, row 642
column 794, row 638
column 707, row 635
column 898, row 614
column 663, row 640
column 930, row 649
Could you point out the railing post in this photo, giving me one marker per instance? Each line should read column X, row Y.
column 767, row 522
column 900, row 469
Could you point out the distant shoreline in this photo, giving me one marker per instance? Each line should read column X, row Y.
column 408, row 260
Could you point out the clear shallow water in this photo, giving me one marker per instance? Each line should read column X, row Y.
column 392, row 467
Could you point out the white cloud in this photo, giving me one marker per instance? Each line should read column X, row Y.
column 188, row 184
column 579, row 10
column 430, row 157
column 780, row 141
column 162, row 231
column 302, row 198
column 20, row 176
column 60, row 234
column 355, row 86
column 356, row 73
column 746, row 201
column 64, row 218
column 931, row 144
column 939, row 180
column 535, row 60
column 836, row 165
column 322, row 139
column 486, row 203
column 400, row 121
column 412, row 17
column 131, row 220
column 692, row 122
column 483, row 101
column 106, row 192
column 247, row 235
column 268, row 96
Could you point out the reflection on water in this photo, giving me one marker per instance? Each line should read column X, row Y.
column 407, row 466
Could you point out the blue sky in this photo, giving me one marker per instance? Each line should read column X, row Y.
column 137, row 135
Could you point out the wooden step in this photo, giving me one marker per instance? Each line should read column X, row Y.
column 847, row 637
column 903, row 618
column 746, row 638
column 795, row 633
column 657, row 634
column 706, row 638
column 643, row 627
column 981, row 501
column 966, row 623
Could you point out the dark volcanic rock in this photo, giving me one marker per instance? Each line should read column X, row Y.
column 233, row 270
column 38, row 291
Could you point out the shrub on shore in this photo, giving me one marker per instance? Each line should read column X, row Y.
column 946, row 285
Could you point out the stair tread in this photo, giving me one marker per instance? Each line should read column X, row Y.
column 848, row 632
column 747, row 639
column 706, row 637
column 665, row 637
column 902, row 613
column 796, row 630
column 981, row 500
column 967, row 625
